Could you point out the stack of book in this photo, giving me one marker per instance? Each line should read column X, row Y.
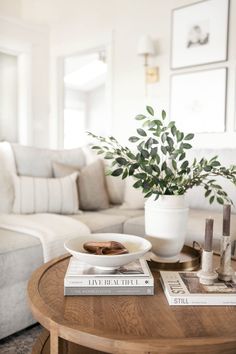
column 184, row 288
column 132, row 279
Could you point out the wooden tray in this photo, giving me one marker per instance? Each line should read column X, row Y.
column 190, row 259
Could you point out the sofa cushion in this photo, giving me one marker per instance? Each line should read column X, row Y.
column 20, row 255
column 45, row 195
column 99, row 222
column 7, row 167
column 115, row 185
column 195, row 228
column 128, row 213
column 91, row 184
column 36, row 162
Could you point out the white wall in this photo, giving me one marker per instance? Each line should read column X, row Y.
column 80, row 25
column 8, row 98
column 20, row 38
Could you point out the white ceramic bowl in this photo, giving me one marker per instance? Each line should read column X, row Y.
column 137, row 247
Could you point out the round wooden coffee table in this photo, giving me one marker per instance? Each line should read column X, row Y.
column 124, row 324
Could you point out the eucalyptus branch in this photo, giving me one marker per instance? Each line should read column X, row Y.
column 159, row 164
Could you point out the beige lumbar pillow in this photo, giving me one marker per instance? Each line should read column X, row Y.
column 45, row 195
column 91, row 184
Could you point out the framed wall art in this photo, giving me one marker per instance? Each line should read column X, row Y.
column 198, row 100
column 199, row 33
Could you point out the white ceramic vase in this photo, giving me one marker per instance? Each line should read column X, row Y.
column 166, row 225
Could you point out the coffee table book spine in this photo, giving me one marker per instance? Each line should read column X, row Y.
column 112, row 291
column 180, row 296
column 108, row 281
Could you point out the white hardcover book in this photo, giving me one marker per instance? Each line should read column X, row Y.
column 80, row 274
column 109, row 281
column 184, row 288
column 112, row 291
column 137, row 268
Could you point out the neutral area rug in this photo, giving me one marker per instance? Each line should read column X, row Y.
column 21, row 342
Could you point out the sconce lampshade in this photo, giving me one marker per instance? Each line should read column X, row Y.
column 146, row 46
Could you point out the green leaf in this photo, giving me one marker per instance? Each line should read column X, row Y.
column 189, row 136
column 174, row 164
column 158, row 159
column 207, row 168
column 121, row 161
column 171, row 124
column 148, row 195
column 138, row 184
column 141, row 132
column 208, row 193
column 182, row 156
column 163, row 137
column 153, row 152
column 117, row 172
column 156, row 169
column 140, row 117
column 108, row 156
column 95, row 147
column 145, row 154
column 187, row 146
column 163, row 166
column 140, row 146
column 163, row 114
column 220, row 200
column 148, row 169
column 149, row 143
column 140, row 175
column 150, row 110
column 133, row 139
column 179, row 136
column 151, row 124
column 168, row 171
column 163, row 149
column 170, row 142
column 173, row 130
column 215, row 163
column 125, row 174
column 184, row 165
column 212, row 199
column 132, row 168
column 131, row 155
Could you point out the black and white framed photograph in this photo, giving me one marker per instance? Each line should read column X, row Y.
column 199, row 33
column 198, row 100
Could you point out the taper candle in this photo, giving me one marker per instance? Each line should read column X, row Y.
column 208, row 235
column 226, row 219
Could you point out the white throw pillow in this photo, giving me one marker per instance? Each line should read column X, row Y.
column 133, row 198
column 45, row 195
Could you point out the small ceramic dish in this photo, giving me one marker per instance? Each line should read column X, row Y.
column 137, row 247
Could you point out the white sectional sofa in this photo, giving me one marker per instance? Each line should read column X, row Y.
column 21, row 253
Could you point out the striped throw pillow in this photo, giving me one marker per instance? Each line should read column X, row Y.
column 45, row 195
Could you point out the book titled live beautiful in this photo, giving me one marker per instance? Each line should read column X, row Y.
column 132, row 279
column 184, row 288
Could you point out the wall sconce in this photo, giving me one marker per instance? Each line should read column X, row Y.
column 146, row 49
